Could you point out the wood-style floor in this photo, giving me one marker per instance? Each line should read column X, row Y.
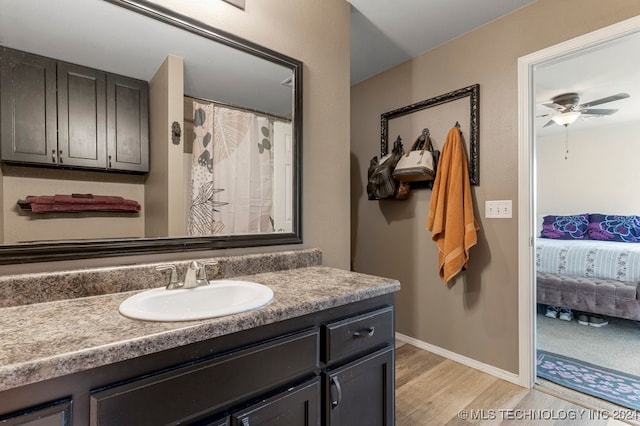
column 432, row 390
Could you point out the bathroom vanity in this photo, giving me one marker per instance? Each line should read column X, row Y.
column 322, row 352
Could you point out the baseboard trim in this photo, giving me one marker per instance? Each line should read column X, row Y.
column 469, row 362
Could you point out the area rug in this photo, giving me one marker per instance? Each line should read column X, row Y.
column 620, row 388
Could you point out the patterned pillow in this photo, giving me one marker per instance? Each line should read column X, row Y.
column 565, row 227
column 614, row 228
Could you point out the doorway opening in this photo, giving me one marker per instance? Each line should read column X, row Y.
column 557, row 181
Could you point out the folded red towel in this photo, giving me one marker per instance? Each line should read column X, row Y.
column 44, row 208
column 81, row 203
column 40, row 199
column 90, row 199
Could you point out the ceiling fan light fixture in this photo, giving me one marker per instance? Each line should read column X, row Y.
column 566, row 118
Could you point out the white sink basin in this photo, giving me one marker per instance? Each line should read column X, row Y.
column 220, row 298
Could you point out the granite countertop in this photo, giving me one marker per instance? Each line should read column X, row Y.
column 47, row 340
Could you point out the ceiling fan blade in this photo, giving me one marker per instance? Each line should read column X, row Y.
column 599, row 111
column 554, row 106
column 549, row 123
column 603, row 100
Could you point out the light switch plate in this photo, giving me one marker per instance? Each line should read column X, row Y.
column 498, row 209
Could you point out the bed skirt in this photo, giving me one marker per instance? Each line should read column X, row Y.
column 595, row 295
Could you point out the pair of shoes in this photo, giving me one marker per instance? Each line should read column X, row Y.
column 592, row 320
column 552, row 311
column 565, row 314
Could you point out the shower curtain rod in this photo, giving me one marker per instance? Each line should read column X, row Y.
column 279, row 117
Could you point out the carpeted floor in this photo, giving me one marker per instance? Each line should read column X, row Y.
column 615, row 346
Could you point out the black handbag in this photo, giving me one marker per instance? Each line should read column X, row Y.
column 380, row 181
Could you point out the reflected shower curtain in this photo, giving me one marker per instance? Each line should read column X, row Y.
column 231, row 173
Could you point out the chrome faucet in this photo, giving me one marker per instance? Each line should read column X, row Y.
column 173, row 279
column 202, row 271
column 195, row 275
column 191, row 276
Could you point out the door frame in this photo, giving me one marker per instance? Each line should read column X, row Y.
column 526, row 181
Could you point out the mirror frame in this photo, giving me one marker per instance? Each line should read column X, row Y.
column 69, row 250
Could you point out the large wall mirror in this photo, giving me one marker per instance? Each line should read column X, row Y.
column 225, row 120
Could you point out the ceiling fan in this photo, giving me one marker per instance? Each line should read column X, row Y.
column 568, row 108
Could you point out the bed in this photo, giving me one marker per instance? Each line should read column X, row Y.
column 585, row 273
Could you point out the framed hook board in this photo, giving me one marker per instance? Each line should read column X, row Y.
column 439, row 114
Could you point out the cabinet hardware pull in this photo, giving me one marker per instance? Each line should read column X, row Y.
column 365, row 332
column 60, row 156
column 336, row 383
column 53, row 155
column 109, row 161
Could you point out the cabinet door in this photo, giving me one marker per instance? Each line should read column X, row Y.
column 127, row 124
column 298, row 406
column 28, row 108
column 58, row 414
column 82, row 117
column 362, row 392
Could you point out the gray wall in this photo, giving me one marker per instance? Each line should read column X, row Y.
column 477, row 316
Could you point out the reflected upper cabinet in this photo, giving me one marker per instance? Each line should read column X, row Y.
column 28, row 108
column 63, row 115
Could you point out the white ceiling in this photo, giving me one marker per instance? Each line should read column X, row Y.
column 385, row 33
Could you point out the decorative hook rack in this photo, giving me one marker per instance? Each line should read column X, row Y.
column 473, row 94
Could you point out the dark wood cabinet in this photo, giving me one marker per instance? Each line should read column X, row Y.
column 127, row 124
column 332, row 367
column 28, row 123
column 82, row 139
column 64, row 115
column 359, row 377
column 54, row 414
column 362, row 391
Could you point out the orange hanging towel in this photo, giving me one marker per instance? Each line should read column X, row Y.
column 451, row 219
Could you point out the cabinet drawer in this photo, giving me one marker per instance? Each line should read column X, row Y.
column 296, row 406
column 193, row 391
column 355, row 334
column 56, row 414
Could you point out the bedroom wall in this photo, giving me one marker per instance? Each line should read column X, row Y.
column 476, row 317
column 600, row 174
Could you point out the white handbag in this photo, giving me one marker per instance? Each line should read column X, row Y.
column 416, row 166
